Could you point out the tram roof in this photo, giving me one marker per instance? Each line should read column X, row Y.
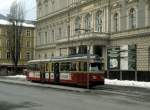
column 70, row 58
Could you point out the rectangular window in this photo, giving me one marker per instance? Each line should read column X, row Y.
column 8, row 55
column 28, row 44
column 7, row 43
column 72, row 51
column 27, row 56
column 60, row 32
column 65, row 67
column 46, row 8
column 40, row 11
column 53, row 35
column 39, row 40
column 45, row 37
column 83, row 49
column 28, row 33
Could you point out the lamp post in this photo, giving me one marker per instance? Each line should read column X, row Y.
column 88, row 57
column 88, row 67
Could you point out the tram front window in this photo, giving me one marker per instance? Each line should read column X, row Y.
column 94, row 66
column 32, row 66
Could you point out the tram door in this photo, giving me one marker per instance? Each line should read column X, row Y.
column 42, row 72
column 56, row 72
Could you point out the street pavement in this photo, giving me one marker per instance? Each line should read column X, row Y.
column 28, row 83
column 26, row 97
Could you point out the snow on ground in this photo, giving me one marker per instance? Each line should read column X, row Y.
column 127, row 83
column 18, row 76
column 108, row 82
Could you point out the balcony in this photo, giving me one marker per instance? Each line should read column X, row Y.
column 85, row 36
column 78, row 3
column 45, row 46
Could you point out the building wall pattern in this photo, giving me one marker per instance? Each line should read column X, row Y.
column 59, row 24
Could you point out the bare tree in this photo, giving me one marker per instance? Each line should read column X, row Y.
column 16, row 19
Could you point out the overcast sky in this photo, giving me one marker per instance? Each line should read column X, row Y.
column 30, row 8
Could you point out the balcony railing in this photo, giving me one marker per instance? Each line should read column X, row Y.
column 44, row 46
column 90, row 35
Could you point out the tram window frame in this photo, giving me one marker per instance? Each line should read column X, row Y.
column 46, row 67
column 31, row 66
column 34, row 68
column 95, row 68
column 42, row 67
column 66, row 66
column 52, row 67
column 82, row 66
column 49, row 67
column 85, row 68
column 73, row 66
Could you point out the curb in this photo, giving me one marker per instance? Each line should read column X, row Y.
column 55, row 87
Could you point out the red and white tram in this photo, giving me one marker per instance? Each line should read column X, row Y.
column 77, row 70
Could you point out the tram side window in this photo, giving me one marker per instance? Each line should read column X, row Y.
column 42, row 67
column 46, row 67
column 49, row 67
column 73, row 67
column 65, row 66
column 52, row 67
column 82, row 66
column 85, row 66
column 94, row 66
column 33, row 67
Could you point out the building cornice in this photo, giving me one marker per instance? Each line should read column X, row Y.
column 86, row 36
column 139, row 32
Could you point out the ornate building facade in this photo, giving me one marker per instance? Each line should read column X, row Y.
column 116, row 30
column 27, row 47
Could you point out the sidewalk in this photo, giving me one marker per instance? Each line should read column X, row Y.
column 28, row 83
column 109, row 84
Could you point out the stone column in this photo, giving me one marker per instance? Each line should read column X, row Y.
column 104, row 55
column 77, row 50
column 90, row 49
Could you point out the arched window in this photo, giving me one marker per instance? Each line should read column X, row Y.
column 116, row 22
column 77, row 24
column 46, row 6
column 39, row 8
column 39, row 57
column 99, row 21
column 132, row 18
column 88, row 22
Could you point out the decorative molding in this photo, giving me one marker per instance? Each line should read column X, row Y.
column 39, row 3
column 116, row 5
column 45, row 1
column 147, row 1
column 132, row 1
column 52, row 2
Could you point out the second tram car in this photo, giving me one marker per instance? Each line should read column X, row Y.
column 75, row 70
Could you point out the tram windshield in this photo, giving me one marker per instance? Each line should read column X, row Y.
column 95, row 66
column 33, row 67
